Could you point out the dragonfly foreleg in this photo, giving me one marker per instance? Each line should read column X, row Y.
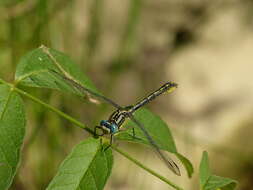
column 126, row 129
column 111, row 141
column 96, row 133
column 133, row 132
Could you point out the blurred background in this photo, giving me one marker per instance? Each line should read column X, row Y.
column 129, row 48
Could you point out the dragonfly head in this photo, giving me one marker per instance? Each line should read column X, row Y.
column 109, row 127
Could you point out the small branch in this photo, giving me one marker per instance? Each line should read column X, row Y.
column 152, row 172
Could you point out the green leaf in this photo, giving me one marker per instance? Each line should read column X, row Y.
column 158, row 130
column 35, row 70
column 87, row 167
column 204, row 171
column 212, row 182
column 5, row 175
column 216, row 182
column 187, row 164
column 12, row 131
column 156, row 127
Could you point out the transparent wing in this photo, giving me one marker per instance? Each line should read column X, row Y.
column 167, row 160
column 85, row 90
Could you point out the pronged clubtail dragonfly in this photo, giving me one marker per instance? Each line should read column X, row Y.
column 117, row 118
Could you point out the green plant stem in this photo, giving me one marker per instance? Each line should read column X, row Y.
column 79, row 124
column 67, row 117
column 62, row 114
column 145, row 168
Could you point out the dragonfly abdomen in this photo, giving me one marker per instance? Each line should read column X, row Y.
column 167, row 87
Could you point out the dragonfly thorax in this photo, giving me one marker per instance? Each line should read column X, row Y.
column 115, row 120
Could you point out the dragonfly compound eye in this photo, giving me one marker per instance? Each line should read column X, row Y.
column 114, row 128
column 105, row 123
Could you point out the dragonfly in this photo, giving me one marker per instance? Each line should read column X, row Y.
column 113, row 124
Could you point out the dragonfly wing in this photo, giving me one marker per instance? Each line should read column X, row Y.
column 85, row 90
column 167, row 160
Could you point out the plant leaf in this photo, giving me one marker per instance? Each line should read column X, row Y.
column 204, row 171
column 156, row 127
column 187, row 164
column 12, row 131
column 87, row 167
column 5, row 175
column 35, row 70
column 212, row 182
column 158, row 130
column 216, row 182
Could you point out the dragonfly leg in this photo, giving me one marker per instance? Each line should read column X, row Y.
column 101, row 141
column 111, row 141
column 128, row 128
column 133, row 132
column 95, row 131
